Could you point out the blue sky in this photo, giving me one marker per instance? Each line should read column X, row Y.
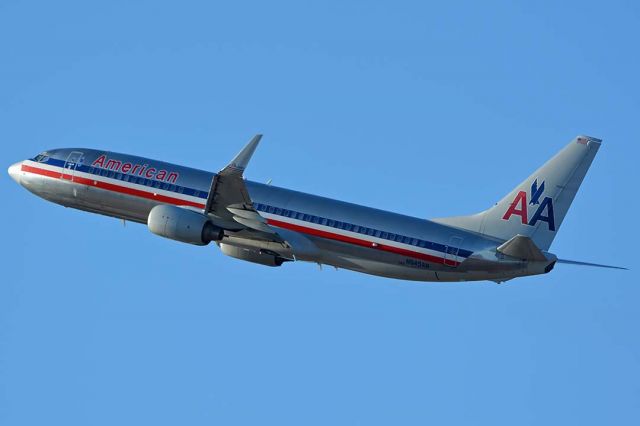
column 425, row 109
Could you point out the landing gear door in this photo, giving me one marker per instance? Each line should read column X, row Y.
column 451, row 251
column 74, row 160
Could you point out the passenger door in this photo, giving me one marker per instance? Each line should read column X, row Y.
column 451, row 250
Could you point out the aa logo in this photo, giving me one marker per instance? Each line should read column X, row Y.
column 544, row 210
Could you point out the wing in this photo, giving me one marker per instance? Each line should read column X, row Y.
column 230, row 207
column 229, row 204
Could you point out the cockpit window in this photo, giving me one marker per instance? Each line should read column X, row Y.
column 41, row 158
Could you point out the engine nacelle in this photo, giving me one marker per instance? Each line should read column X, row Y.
column 180, row 224
column 251, row 255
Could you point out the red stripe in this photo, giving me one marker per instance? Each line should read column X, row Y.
column 111, row 187
column 274, row 222
column 360, row 242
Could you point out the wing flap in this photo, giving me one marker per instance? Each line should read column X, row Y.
column 254, row 224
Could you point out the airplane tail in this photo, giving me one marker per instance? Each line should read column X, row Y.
column 537, row 206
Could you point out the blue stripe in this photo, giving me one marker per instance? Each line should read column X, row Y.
column 390, row 236
column 131, row 178
column 370, row 232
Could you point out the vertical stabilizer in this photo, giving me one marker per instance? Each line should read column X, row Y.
column 537, row 206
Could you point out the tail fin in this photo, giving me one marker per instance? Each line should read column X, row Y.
column 537, row 206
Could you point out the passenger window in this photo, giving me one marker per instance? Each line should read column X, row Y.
column 414, row 242
column 323, row 221
column 406, row 240
column 112, row 175
column 371, row 232
column 180, row 189
column 399, row 238
column 331, row 223
column 278, row 211
column 421, row 244
column 119, row 176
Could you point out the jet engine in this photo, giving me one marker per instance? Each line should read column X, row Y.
column 249, row 255
column 180, row 224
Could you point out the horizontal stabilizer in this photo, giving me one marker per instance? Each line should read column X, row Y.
column 523, row 248
column 597, row 265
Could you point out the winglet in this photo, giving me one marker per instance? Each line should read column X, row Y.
column 241, row 160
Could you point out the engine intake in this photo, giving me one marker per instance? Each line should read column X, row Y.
column 180, row 224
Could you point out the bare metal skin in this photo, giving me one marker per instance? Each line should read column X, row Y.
column 271, row 225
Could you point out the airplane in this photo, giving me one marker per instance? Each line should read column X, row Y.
column 270, row 225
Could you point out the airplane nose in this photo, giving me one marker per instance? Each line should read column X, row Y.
column 14, row 171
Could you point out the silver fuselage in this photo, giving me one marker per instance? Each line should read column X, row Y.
column 344, row 235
